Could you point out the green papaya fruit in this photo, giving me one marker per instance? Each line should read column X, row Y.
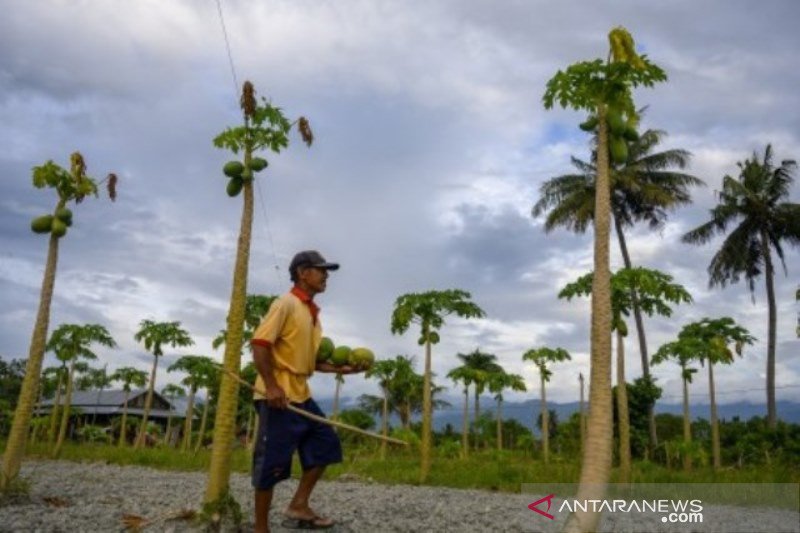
column 619, row 150
column 42, row 224
column 59, row 228
column 247, row 174
column 64, row 215
column 615, row 122
column 235, row 187
column 630, row 134
column 257, row 164
column 589, row 125
column 233, row 169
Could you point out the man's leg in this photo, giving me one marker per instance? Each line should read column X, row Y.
column 299, row 506
column 263, row 502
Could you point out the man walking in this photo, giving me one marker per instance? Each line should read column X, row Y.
column 284, row 352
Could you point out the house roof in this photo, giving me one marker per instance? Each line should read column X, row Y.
column 109, row 401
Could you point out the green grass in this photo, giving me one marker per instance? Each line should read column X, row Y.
column 488, row 470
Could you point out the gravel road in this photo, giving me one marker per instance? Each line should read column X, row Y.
column 93, row 497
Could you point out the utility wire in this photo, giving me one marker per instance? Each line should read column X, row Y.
column 228, row 48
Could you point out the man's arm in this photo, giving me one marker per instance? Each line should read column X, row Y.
column 324, row 366
column 264, row 360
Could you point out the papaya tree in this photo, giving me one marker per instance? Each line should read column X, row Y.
column 59, row 373
column 498, row 382
column 603, row 89
column 714, row 338
column 71, row 185
column 199, row 370
column 684, row 350
column 466, row 375
column 72, row 342
column 171, row 392
column 483, row 365
column 652, row 292
column 428, row 310
column 128, row 376
column 264, row 128
column 154, row 335
column 541, row 357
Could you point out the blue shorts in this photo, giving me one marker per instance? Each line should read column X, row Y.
column 280, row 433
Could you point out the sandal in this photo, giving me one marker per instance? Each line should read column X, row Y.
column 315, row 522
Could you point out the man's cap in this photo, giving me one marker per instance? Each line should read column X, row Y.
column 311, row 258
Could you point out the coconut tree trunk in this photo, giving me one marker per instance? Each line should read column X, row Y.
column 15, row 447
column 51, row 435
column 427, row 416
column 384, row 422
column 623, row 415
column 203, row 420
column 465, row 425
column 582, row 416
column 545, row 422
column 596, row 466
column 687, row 428
column 123, row 431
column 715, row 452
column 62, row 430
column 148, row 402
column 637, row 314
column 187, row 423
column 769, row 275
column 219, row 471
column 335, row 414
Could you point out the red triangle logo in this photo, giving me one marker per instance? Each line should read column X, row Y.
column 549, row 500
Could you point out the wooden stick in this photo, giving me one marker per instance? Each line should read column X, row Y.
column 312, row 416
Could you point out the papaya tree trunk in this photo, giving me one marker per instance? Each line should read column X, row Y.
column 499, row 424
column 769, row 276
column 148, row 402
column 427, row 415
column 187, row 423
column 123, row 431
column 687, row 428
column 545, row 422
column 596, row 466
column 637, row 314
column 62, row 430
column 17, row 437
column 476, row 415
column 623, row 417
column 384, row 422
column 219, row 471
column 715, row 452
column 51, row 435
column 203, row 420
column 335, row 414
column 465, row 425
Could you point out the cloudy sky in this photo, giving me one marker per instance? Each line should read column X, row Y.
column 431, row 144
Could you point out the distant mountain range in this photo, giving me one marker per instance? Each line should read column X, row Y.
column 526, row 412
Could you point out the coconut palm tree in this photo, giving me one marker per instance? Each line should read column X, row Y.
column 756, row 203
column 73, row 185
column 653, row 291
column 466, row 375
column 264, row 128
column 498, row 382
column 154, row 335
column 171, row 391
column 429, row 310
column 72, row 342
column 602, row 88
column 541, row 357
column 483, row 366
column 714, row 338
column 199, row 370
column 684, row 351
column 129, row 376
column 644, row 188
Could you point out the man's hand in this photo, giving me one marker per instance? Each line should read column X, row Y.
column 333, row 369
column 276, row 397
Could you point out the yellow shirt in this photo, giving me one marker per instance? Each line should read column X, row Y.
column 292, row 328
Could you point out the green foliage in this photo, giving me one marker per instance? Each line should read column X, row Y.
column 155, row 334
column 213, row 513
column 429, row 309
column 68, row 185
column 267, row 128
column 128, row 376
column 542, row 356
